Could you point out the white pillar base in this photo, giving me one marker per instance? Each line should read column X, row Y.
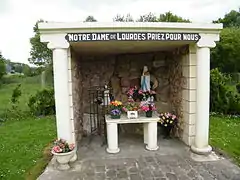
column 152, row 148
column 152, row 136
column 113, row 151
column 112, row 138
column 202, row 151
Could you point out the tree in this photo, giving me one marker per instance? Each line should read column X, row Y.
column 2, row 66
column 90, row 19
column 27, row 70
column 39, row 54
column 231, row 19
column 166, row 17
column 150, row 17
column 170, row 17
column 122, row 18
column 225, row 55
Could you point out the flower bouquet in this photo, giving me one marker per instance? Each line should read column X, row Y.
column 132, row 93
column 64, row 153
column 168, row 121
column 131, row 108
column 61, row 146
column 116, row 109
column 146, row 95
column 148, row 107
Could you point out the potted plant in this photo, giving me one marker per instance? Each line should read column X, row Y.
column 64, row 153
column 115, row 113
column 116, row 109
column 131, row 108
column 167, row 121
column 148, row 107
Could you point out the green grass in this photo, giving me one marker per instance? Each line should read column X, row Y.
column 225, row 136
column 23, row 140
column 22, row 145
column 29, row 86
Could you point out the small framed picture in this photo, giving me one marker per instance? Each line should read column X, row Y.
column 132, row 114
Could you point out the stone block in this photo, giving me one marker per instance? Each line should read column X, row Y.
column 189, row 95
column 124, row 90
column 189, row 118
column 135, row 82
column 190, row 71
column 122, row 74
column 162, row 106
column 124, row 98
column 189, row 129
column 189, row 106
column 188, row 140
column 125, row 82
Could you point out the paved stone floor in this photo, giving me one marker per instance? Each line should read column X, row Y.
column 173, row 161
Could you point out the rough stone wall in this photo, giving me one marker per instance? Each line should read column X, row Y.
column 120, row 72
column 77, row 96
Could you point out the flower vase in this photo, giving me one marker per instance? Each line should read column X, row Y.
column 167, row 131
column 149, row 114
column 116, row 116
column 63, row 159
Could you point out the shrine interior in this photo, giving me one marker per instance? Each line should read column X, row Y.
column 119, row 66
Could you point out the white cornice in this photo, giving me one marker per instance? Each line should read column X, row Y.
column 57, row 27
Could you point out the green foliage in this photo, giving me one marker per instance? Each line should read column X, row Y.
column 170, row 17
column 238, row 87
column 16, row 95
column 27, row 70
column 225, row 55
column 2, row 68
column 150, row 17
column 231, row 19
column 49, row 74
column 42, row 103
column 122, row 18
column 223, row 99
column 40, row 54
column 90, row 19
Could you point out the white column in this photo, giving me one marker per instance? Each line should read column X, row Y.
column 152, row 136
column 112, row 138
column 200, row 145
column 61, row 89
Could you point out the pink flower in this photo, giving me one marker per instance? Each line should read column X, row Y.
column 71, row 146
column 173, row 117
column 124, row 109
column 57, row 149
column 140, row 92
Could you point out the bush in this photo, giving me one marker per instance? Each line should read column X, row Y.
column 238, row 87
column 42, row 103
column 16, row 94
column 223, row 98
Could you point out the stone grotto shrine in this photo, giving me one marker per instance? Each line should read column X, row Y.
column 92, row 58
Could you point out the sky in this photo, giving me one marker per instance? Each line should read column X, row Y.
column 17, row 17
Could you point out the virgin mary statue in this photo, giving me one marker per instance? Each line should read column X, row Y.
column 145, row 79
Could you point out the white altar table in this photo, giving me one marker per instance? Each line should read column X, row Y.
column 150, row 131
